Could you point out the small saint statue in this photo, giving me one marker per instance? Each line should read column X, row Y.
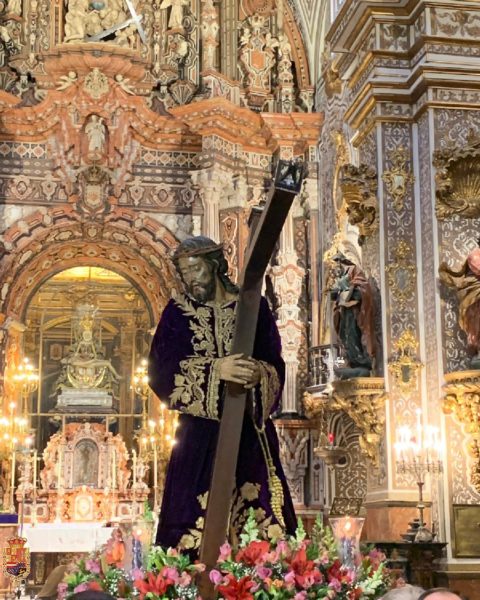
column 95, row 131
column 176, row 14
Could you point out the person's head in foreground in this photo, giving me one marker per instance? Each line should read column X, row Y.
column 439, row 594
column 407, row 592
column 92, row 595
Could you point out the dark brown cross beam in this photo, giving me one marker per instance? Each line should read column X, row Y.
column 264, row 236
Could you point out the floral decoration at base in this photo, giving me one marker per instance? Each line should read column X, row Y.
column 294, row 568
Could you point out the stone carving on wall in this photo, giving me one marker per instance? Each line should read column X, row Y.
column 257, row 59
column 175, row 20
column 402, row 274
column 294, row 455
column 363, row 400
column 398, row 178
column 458, row 179
column 359, row 191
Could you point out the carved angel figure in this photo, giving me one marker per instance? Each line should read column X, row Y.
column 75, row 20
column 176, row 14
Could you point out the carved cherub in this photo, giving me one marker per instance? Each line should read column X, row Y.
column 66, row 81
column 75, row 20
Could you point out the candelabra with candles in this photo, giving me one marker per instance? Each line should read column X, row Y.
column 155, row 437
column 418, row 454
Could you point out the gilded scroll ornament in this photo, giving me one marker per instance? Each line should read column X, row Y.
column 359, row 191
column 404, row 364
column 458, row 179
column 398, row 178
column 363, row 400
column 401, row 274
column 462, row 400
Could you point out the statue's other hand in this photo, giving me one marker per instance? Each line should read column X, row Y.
column 238, row 369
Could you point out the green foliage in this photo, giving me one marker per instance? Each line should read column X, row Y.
column 250, row 531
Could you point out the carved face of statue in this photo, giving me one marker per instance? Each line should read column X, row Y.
column 198, row 276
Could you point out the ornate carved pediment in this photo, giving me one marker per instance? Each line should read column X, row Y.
column 458, row 179
column 359, row 191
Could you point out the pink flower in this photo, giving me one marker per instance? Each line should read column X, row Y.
column 62, row 590
column 289, row 578
column 335, row 584
column 93, row 566
column 170, row 573
column 300, row 596
column 263, row 572
column 216, row 577
column 184, row 579
column 82, row 587
column 137, row 574
column 225, row 552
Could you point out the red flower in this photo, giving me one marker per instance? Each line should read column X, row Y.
column 254, row 553
column 236, row 589
column 157, row 585
column 306, row 574
column 94, row 585
column 355, row 594
column 336, row 572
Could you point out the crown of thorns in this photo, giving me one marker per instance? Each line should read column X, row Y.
column 186, row 252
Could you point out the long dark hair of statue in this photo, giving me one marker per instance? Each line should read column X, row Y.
column 203, row 246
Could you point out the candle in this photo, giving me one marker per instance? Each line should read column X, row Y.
column 114, row 470
column 34, row 472
column 134, row 467
column 12, row 483
column 155, row 466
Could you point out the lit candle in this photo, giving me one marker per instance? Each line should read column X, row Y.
column 134, row 467
column 59, row 467
column 34, row 472
column 12, row 482
column 155, row 466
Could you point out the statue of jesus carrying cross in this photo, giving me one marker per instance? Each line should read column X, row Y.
column 189, row 368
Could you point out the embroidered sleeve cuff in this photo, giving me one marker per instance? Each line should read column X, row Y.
column 197, row 388
column 269, row 388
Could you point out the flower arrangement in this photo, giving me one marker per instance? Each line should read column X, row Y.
column 168, row 574
column 96, row 574
column 280, row 569
column 295, row 568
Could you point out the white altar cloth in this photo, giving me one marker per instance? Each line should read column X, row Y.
column 66, row 537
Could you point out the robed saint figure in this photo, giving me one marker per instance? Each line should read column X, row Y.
column 189, row 365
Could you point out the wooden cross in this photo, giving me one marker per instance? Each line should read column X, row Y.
column 263, row 237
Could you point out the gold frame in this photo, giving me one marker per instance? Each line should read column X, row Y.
column 402, row 274
column 398, row 178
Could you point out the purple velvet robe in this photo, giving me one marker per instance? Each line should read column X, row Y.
column 183, row 363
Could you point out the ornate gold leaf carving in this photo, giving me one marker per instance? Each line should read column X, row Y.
column 404, row 365
column 398, row 178
column 401, row 274
column 359, row 190
column 462, row 400
column 458, row 179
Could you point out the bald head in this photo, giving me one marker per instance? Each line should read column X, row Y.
column 439, row 594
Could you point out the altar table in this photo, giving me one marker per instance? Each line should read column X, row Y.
column 66, row 537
